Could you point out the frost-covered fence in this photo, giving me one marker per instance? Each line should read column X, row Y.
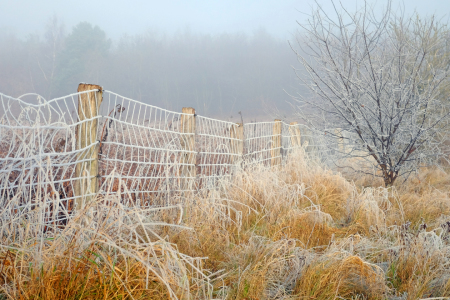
column 39, row 156
column 63, row 151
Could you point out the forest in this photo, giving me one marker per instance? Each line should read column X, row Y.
column 219, row 75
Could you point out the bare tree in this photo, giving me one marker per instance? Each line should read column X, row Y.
column 54, row 37
column 381, row 80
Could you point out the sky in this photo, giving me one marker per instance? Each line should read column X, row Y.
column 118, row 17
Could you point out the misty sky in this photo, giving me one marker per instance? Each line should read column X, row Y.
column 278, row 17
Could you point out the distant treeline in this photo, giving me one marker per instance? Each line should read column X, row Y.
column 218, row 75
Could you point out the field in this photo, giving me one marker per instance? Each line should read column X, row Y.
column 299, row 231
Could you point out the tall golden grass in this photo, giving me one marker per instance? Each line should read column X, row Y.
column 299, row 231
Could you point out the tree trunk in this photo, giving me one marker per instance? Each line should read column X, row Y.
column 389, row 178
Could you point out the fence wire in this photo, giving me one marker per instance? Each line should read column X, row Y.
column 43, row 161
column 141, row 145
column 216, row 144
column 38, row 156
column 259, row 139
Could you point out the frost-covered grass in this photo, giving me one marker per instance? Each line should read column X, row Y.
column 296, row 232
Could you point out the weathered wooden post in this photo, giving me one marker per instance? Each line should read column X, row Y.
column 294, row 132
column 86, row 171
column 276, row 144
column 188, row 157
column 236, row 142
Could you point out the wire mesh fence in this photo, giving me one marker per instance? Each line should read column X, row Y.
column 140, row 145
column 56, row 154
column 39, row 155
column 215, row 143
column 259, row 138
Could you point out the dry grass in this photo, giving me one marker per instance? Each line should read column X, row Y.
column 343, row 275
column 107, row 251
column 295, row 232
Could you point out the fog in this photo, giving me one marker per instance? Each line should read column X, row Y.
column 218, row 57
column 219, row 75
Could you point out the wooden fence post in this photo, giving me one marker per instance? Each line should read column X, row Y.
column 237, row 141
column 295, row 134
column 188, row 158
column 276, row 143
column 86, row 170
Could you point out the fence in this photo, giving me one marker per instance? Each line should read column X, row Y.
column 64, row 149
